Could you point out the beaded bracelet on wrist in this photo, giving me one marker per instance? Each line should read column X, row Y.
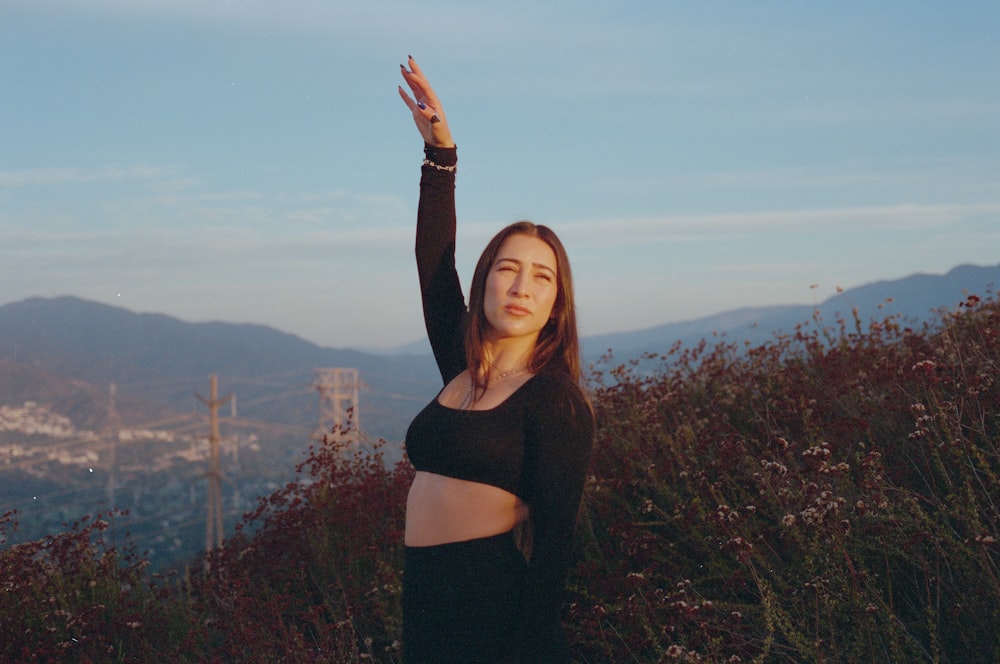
column 449, row 169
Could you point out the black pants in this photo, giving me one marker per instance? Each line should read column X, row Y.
column 461, row 601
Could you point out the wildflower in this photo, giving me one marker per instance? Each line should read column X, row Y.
column 675, row 651
column 817, row 451
column 774, row 467
column 788, row 520
column 872, row 459
column 725, row 513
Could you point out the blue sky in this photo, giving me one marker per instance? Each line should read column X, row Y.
column 250, row 161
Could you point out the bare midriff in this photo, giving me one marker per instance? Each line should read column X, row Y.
column 441, row 510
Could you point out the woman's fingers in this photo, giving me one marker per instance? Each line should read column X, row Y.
column 414, row 66
column 410, row 104
column 424, row 105
column 417, row 82
column 423, row 122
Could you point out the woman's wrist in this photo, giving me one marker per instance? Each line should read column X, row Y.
column 441, row 158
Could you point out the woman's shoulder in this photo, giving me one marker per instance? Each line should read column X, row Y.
column 554, row 380
column 556, row 392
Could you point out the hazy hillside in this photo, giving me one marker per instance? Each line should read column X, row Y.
column 914, row 298
column 155, row 358
column 84, row 403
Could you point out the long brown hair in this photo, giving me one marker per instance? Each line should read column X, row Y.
column 558, row 345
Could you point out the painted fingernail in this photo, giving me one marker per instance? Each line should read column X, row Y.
column 422, row 105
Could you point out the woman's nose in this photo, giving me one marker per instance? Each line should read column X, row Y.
column 519, row 287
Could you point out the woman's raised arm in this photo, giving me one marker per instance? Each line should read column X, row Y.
column 440, row 289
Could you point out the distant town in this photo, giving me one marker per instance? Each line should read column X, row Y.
column 68, row 445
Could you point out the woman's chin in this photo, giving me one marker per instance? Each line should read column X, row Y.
column 509, row 332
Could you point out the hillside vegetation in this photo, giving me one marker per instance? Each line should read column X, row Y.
column 829, row 496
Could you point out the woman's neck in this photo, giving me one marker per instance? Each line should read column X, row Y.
column 508, row 354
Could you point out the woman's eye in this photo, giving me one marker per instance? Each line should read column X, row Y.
column 544, row 276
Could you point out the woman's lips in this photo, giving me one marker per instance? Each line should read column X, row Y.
column 517, row 310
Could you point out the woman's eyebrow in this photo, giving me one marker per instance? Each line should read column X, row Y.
column 519, row 262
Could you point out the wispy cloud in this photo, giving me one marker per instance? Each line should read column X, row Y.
column 887, row 177
column 57, row 176
column 628, row 230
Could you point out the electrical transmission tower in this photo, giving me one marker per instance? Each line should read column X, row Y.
column 213, row 524
column 338, row 403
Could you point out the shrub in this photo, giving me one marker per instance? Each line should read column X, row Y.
column 77, row 596
column 819, row 498
column 314, row 573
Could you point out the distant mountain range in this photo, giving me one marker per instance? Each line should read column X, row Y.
column 159, row 362
column 915, row 298
column 66, row 351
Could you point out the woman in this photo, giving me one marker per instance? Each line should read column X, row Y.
column 504, row 447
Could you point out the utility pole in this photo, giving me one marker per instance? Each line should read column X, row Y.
column 213, row 523
column 339, row 391
column 113, row 427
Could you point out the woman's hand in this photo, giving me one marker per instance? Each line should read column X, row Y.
column 425, row 106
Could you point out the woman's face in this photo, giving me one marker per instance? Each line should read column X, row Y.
column 521, row 287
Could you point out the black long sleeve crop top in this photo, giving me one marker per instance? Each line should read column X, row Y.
column 536, row 444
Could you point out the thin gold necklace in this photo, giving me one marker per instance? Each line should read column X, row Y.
column 468, row 401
